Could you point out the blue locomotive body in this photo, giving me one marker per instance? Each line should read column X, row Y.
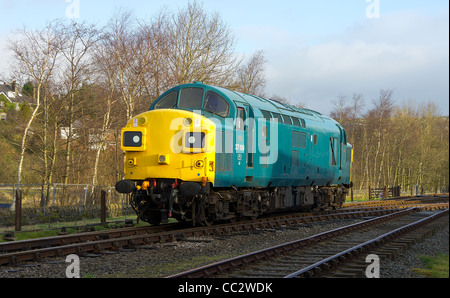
column 264, row 143
column 242, row 156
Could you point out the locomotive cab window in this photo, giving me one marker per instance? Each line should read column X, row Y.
column 168, row 102
column 191, row 98
column 214, row 103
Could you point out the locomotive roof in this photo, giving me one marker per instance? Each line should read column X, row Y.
column 255, row 102
column 266, row 104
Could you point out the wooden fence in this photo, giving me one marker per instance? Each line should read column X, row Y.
column 384, row 192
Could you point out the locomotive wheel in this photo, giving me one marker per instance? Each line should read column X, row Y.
column 155, row 218
column 232, row 220
column 209, row 221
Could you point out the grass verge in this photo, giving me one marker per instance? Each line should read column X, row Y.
column 435, row 266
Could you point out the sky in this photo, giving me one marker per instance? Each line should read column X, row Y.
column 315, row 50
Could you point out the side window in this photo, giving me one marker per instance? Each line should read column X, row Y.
column 168, row 102
column 296, row 122
column 214, row 103
column 278, row 116
column 333, row 151
column 240, row 119
column 266, row 115
column 302, row 122
column 349, row 154
column 286, row 119
column 191, row 98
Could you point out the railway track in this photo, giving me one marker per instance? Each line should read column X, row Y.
column 402, row 201
column 33, row 244
column 105, row 242
column 12, row 253
column 323, row 254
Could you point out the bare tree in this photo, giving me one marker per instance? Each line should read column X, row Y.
column 157, row 73
column 250, row 77
column 341, row 111
column 34, row 56
column 78, row 41
column 131, row 56
column 202, row 47
column 376, row 138
column 284, row 100
column 357, row 105
column 108, row 74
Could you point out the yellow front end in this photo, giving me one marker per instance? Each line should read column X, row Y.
column 173, row 144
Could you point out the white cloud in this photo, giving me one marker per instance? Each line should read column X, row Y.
column 407, row 52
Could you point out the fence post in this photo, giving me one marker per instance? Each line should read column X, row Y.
column 18, row 211
column 370, row 193
column 386, row 192
column 54, row 194
column 103, row 207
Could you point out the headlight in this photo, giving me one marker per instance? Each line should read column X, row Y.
column 132, row 139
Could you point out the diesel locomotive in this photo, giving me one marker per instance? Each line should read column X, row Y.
column 205, row 154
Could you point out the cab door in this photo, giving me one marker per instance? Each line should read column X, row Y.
column 244, row 140
column 250, row 141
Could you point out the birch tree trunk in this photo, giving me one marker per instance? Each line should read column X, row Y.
column 34, row 55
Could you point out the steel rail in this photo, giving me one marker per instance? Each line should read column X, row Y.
column 100, row 245
column 223, row 266
column 335, row 260
column 45, row 242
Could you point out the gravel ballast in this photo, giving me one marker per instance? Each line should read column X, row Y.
column 165, row 259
